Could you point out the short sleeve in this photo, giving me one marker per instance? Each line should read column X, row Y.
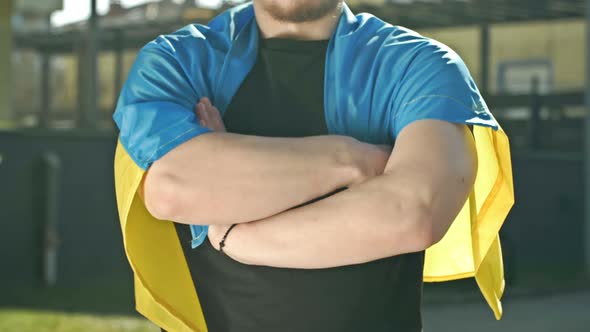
column 437, row 85
column 155, row 111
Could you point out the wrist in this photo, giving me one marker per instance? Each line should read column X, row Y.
column 238, row 245
column 223, row 240
column 216, row 234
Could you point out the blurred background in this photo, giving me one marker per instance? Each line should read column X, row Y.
column 63, row 62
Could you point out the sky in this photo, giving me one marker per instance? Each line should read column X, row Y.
column 76, row 10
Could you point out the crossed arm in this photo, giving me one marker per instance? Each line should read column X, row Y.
column 407, row 207
column 222, row 178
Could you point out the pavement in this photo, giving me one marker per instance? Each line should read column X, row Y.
column 561, row 312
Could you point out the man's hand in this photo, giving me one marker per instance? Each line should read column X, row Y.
column 372, row 160
column 209, row 115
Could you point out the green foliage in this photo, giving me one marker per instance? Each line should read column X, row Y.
column 46, row 321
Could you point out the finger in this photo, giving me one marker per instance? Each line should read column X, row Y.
column 203, row 114
column 206, row 101
column 216, row 119
column 210, row 115
column 198, row 111
column 201, row 122
column 213, row 113
column 210, row 110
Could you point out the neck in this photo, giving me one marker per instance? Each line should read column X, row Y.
column 320, row 29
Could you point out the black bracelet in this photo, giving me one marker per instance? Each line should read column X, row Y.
column 222, row 243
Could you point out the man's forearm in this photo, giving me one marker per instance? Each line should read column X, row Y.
column 356, row 226
column 406, row 210
column 221, row 178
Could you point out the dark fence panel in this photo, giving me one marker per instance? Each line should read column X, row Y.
column 543, row 236
column 89, row 237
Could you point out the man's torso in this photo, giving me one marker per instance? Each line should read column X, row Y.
column 283, row 96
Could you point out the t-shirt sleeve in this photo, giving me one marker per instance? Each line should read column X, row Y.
column 437, row 85
column 155, row 111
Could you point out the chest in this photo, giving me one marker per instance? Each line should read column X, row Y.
column 330, row 94
column 282, row 96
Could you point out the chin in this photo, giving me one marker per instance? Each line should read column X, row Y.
column 299, row 11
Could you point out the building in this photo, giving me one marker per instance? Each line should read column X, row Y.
column 529, row 51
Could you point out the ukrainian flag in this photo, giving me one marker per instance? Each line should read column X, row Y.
column 155, row 115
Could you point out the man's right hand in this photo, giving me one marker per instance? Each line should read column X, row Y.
column 209, row 115
column 370, row 159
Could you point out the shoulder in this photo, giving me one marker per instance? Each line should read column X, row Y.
column 392, row 45
column 216, row 36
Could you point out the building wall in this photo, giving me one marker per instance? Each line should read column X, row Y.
column 63, row 83
column 561, row 42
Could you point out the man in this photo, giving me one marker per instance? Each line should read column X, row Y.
column 313, row 222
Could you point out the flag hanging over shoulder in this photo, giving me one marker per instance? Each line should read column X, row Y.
column 380, row 78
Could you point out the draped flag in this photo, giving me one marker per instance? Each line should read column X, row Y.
column 379, row 78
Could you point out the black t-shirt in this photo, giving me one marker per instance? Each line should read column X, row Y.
column 283, row 96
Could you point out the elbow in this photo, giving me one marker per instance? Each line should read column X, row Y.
column 427, row 228
column 168, row 197
column 161, row 196
column 425, row 236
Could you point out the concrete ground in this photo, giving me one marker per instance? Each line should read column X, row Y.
column 567, row 312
